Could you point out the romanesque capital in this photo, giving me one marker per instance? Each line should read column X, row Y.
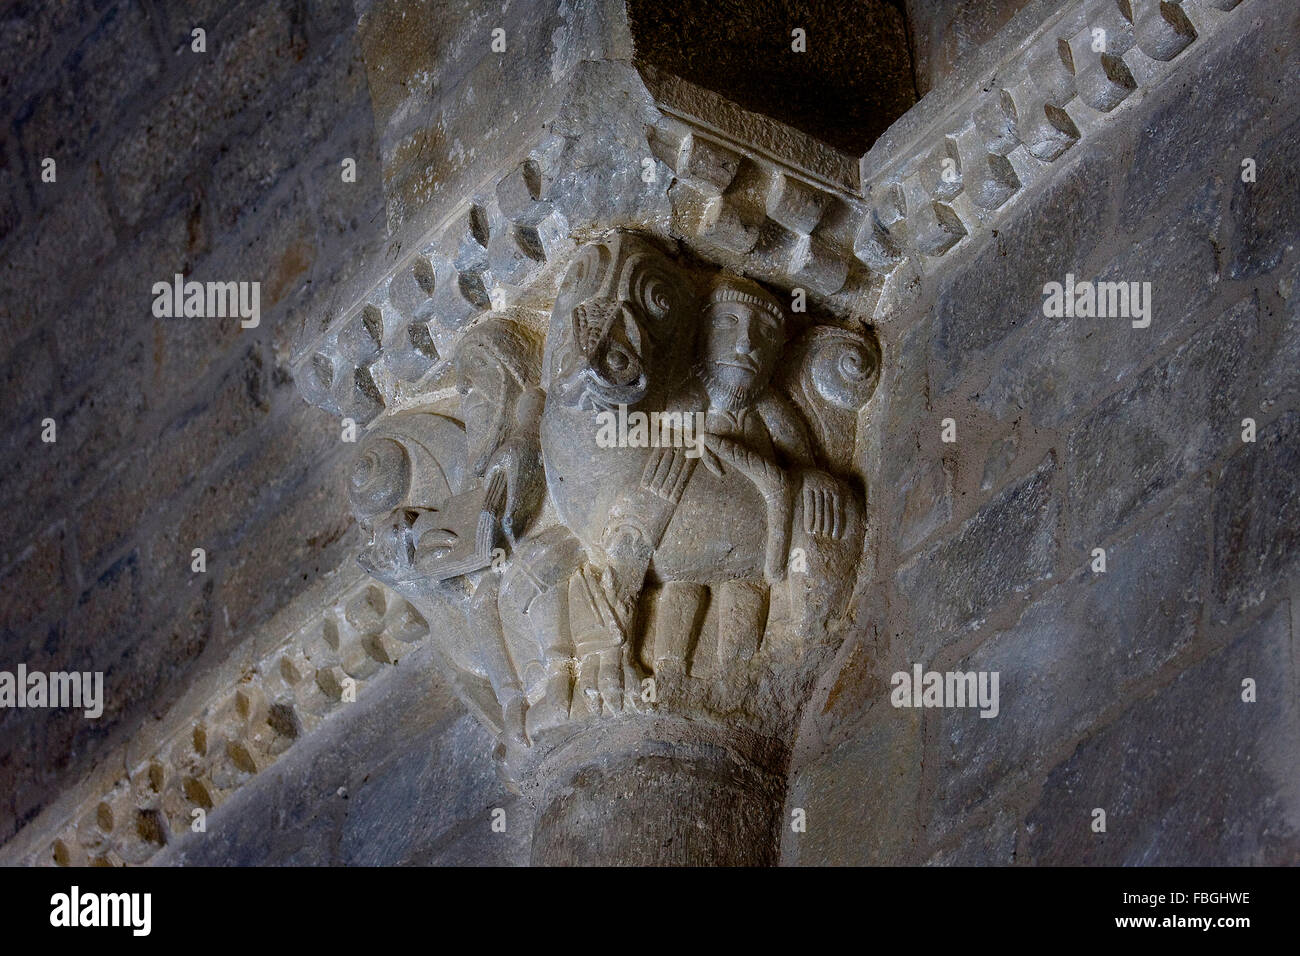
column 645, row 507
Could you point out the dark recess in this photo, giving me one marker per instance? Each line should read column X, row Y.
column 854, row 80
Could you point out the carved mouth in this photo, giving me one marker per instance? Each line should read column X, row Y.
column 747, row 365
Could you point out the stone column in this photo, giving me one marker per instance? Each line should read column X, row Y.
column 661, row 792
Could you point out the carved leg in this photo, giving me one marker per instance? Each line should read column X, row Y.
column 485, row 617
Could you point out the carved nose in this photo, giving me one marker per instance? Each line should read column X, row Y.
column 592, row 322
column 601, row 328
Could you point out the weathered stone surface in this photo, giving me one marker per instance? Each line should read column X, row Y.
column 1282, row 378
column 866, row 786
column 435, row 794
column 1266, row 212
column 1071, row 359
column 1007, row 547
column 1174, row 419
column 77, row 230
column 927, row 503
column 35, row 585
column 1257, row 518
column 150, row 412
column 65, row 120
column 304, row 540
column 1191, row 773
column 993, row 844
column 1074, row 653
column 167, row 467
column 1002, row 289
column 236, row 74
column 406, row 778
column 28, row 33
column 1206, row 110
column 514, row 183
column 945, row 31
column 1001, row 456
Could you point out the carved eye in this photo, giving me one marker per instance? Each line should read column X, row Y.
column 725, row 320
column 583, row 277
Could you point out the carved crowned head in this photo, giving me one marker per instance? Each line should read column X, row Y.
column 744, row 330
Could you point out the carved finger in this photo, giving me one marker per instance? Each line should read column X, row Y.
column 688, row 468
column 656, row 470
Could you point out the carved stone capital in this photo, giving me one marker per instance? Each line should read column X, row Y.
column 645, row 510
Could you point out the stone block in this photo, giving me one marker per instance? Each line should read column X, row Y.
column 1282, row 378
column 1002, row 289
column 91, row 89
column 1006, row 548
column 1266, row 213
column 927, row 503
column 106, row 616
column 129, row 497
column 859, row 800
column 993, row 844
column 1074, row 653
column 13, row 187
column 1174, row 419
column 34, row 589
column 77, row 235
column 423, row 793
column 1191, row 775
column 117, row 307
column 30, row 30
column 1257, row 519
column 292, row 546
column 258, row 481
column 238, row 70
column 1202, row 111
column 325, row 96
column 30, row 379
column 1073, row 358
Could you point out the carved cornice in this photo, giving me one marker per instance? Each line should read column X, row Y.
column 752, row 194
column 936, row 183
column 239, row 729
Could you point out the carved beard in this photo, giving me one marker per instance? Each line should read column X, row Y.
column 724, row 397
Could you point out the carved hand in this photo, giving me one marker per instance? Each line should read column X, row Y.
column 768, row 477
column 823, row 506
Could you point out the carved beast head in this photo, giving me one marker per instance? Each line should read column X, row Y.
column 621, row 325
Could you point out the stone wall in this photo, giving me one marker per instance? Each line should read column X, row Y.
column 1119, row 690
column 172, row 434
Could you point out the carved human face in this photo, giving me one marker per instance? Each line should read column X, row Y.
column 741, row 344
